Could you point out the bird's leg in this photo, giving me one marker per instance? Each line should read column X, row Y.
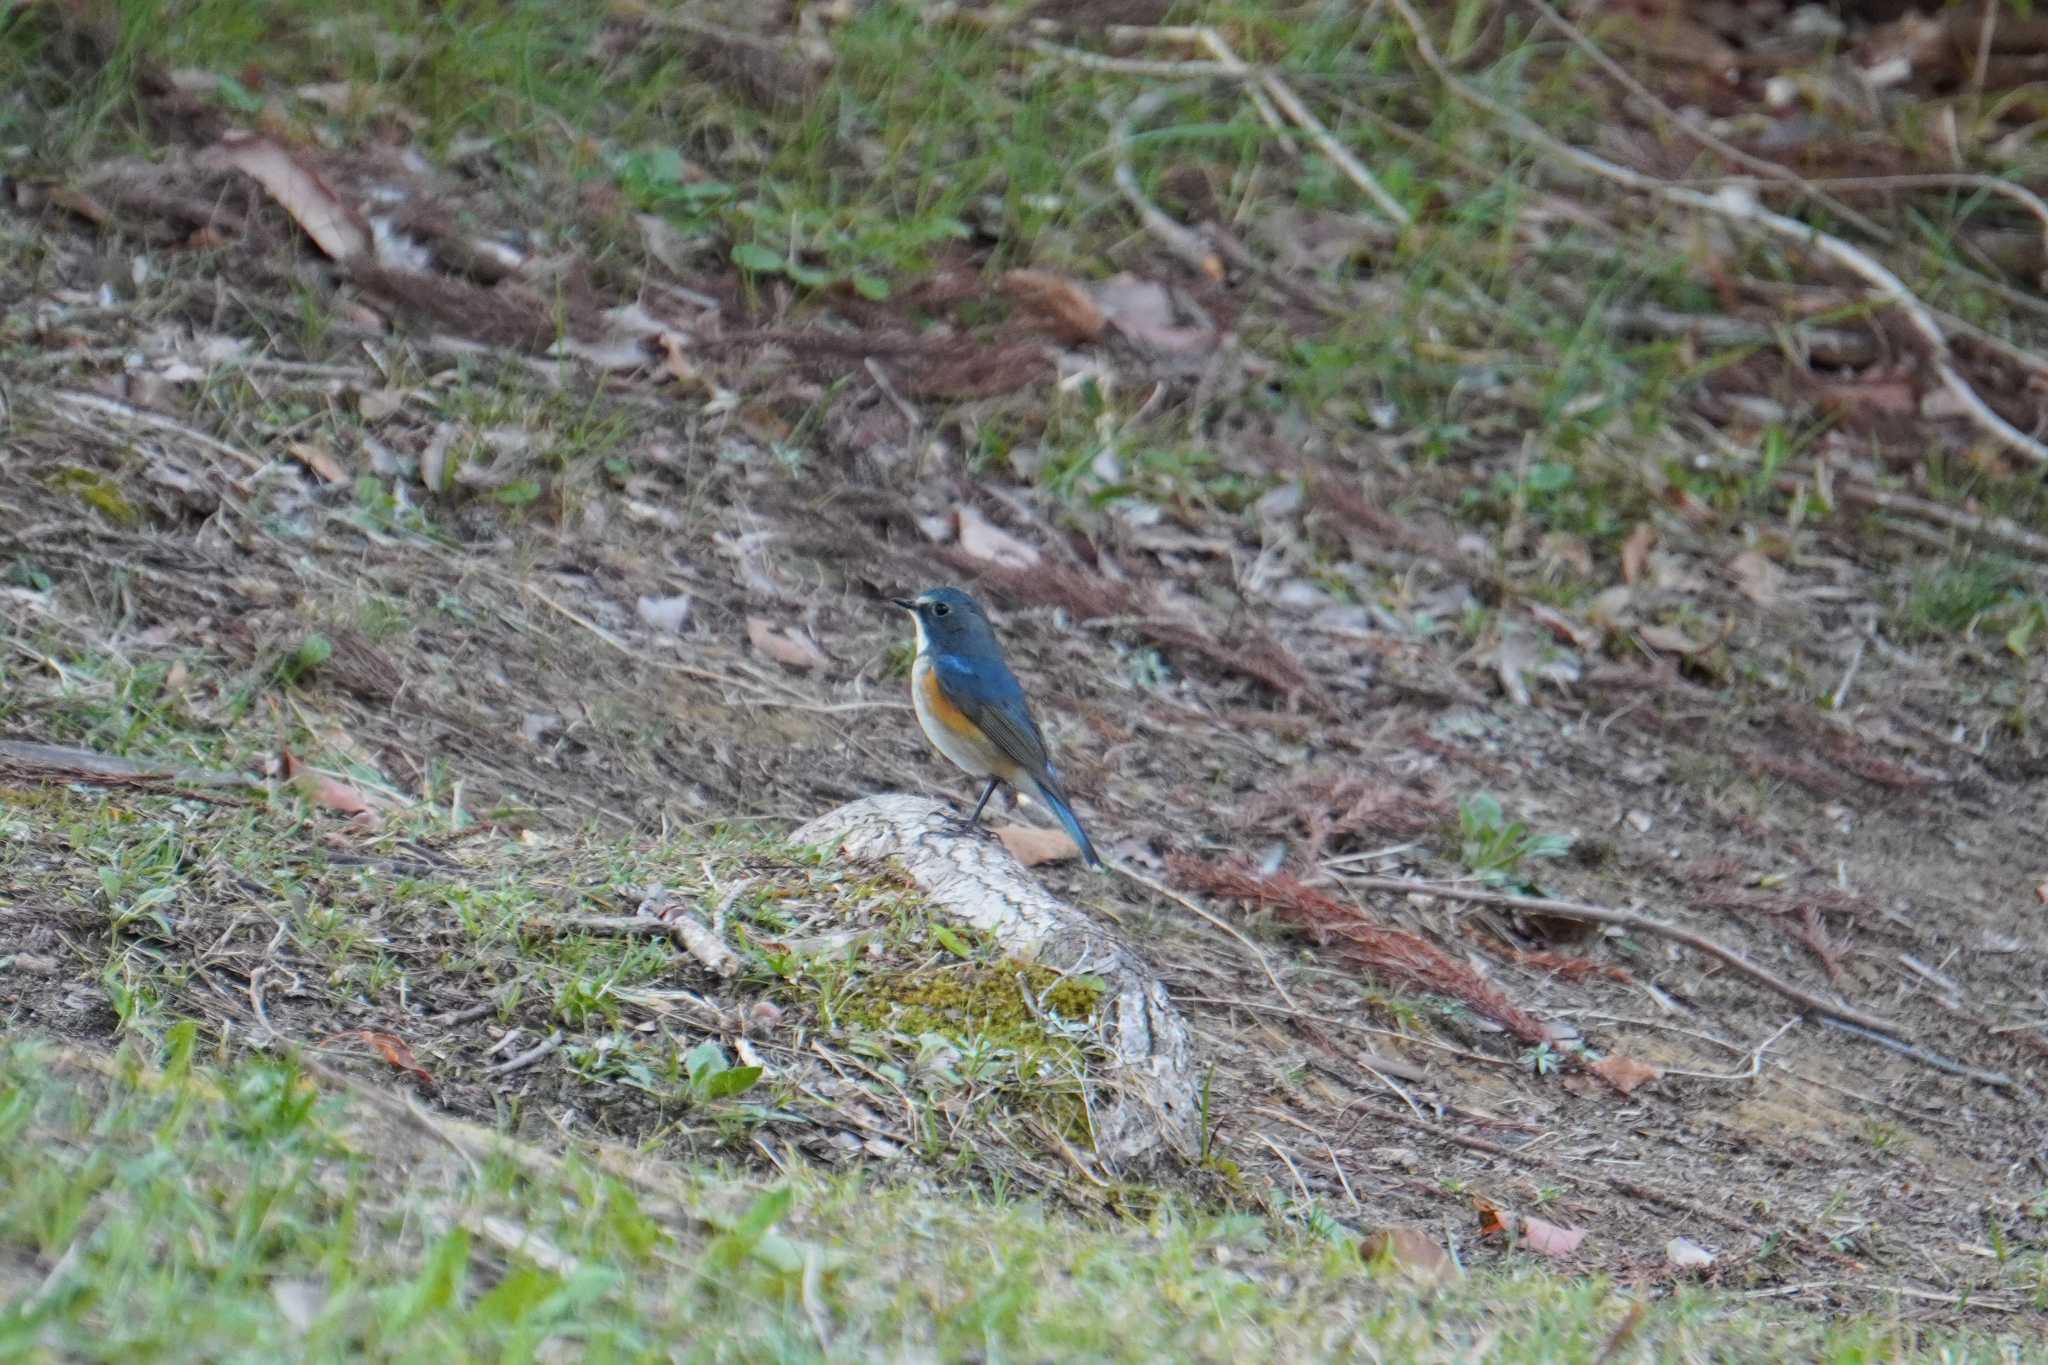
column 971, row 824
column 981, row 805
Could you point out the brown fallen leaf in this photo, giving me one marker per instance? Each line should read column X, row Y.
column 1671, row 640
column 1143, row 312
column 1872, row 401
column 1549, row 1238
column 320, row 788
column 1635, row 552
column 983, row 539
column 1074, row 316
column 319, row 459
column 1574, row 633
column 80, row 203
column 785, row 647
column 298, row 189
column 1756, row 577
column 392, row 1049
column 1624, row 1073
column 1409, row 1251
column 1031, row 845
column 1568, row 550
column 1492, row 1221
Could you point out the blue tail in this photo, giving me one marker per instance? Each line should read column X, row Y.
column 1047, row 790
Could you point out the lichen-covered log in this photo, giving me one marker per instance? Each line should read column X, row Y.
column 1145, row 1106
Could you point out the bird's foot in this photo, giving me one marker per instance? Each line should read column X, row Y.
column 966, row 826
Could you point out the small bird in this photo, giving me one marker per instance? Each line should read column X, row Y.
column 973, row 711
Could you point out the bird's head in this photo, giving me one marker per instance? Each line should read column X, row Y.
column 948, row 620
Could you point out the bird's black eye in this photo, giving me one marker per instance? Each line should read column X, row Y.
column 940, row 609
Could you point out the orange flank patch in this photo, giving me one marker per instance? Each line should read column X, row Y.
column 942, row 710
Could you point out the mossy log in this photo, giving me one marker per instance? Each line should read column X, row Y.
column 1145, row 1104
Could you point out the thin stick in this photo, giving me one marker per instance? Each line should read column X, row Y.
column 1600, row 914
column 142, row 417
column 1756, row 1060
column 1924, row 1056
column 2003, row 530
column 1251, row 949
column 1122, row 66
column 1354, row 170
column 526, row 1058
column 1184, row 244
column 1337, row 1021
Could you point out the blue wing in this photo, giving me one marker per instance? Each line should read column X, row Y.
column 987, row 693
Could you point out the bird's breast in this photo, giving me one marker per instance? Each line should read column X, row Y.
column 948, row 727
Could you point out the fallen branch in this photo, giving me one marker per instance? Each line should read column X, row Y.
column 1645, row 924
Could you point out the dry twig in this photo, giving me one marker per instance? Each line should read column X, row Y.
column 1627, row 919
column 1185, row 245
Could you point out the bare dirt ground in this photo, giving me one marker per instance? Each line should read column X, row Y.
column 635, row 587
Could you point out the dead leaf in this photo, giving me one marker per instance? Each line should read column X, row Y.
column 319, row 459
column 392, row 1049
column 1514, row 657
column 1635, row 551
column 675, row 359
column 1549, row 1238
column 1568, row 550
column 1573, row 633
column 1031, row 845
column 1670, row 640
column 299, row 190
column 80, row 203
column 378, row 404
column 785, row 647
column 663, row 242
column 1686, row 1254
column 1074, row 316
column 435, row 473
column 1609, row 608
column 1142, row 311
column 983, row 539
column 1756, row 577
column 665, row 614
column 1410, row 1251
column 323, row 790
column 1875, row 400
column 1624, row 1073
column 1492, row 1221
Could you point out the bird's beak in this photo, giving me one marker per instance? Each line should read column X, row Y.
column 905, row 603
